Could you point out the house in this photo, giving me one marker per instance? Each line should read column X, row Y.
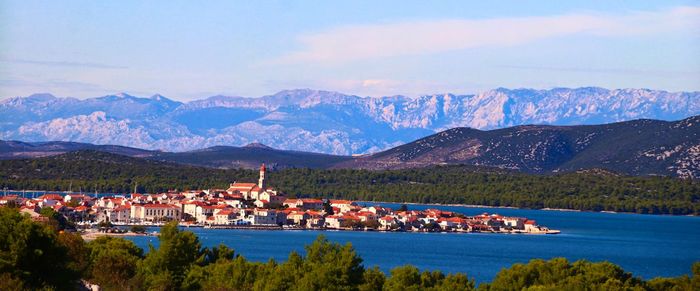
column 378, row 210
column 343, row 205
column 203, row 212
column 244, row 189
column 298, row 217
column 189, row 208
column 225, row 217
column 388, row 222
column 4, row 200
column 531, row 226
column 261, row 216
column 76, row 198
column 121, row 214
column 304, row 203
column 272, row 197
column 193, row 194
column 315, row 221
column 452, row 223
column 155, row 212
column 334, row 221
column 366, row 216
column 514, row 222
column 49, row 200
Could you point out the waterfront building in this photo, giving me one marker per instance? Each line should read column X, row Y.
column 155, row 212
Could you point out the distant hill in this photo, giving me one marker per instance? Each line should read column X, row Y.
column 639, row 147
column 249, row 157
column 20, row 150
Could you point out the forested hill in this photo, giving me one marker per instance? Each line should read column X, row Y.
column 639, row 147
column 249, row 156
column 588, row 190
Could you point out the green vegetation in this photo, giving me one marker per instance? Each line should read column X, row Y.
column 137, row 229
column 104, row 172
column 35, row 255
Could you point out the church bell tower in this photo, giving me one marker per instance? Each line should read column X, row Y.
column 261, row 181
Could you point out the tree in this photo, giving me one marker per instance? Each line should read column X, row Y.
column 327, row 207
column 138, row 229
column 31, row 252
column 373, row 280
column 57, row 220
column 403, row 278
column 77, row 251
column 168, row 265
column 558, row 273
column 113, row 262
column 330, row 264
column 221, row 252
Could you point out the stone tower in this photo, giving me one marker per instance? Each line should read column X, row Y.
column 261, row 181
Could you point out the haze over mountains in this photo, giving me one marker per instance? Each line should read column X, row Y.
column 320, row 121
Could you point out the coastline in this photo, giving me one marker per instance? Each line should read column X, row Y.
column 519, row 208
column 92, row 235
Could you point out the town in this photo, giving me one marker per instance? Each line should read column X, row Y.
column 258, row 206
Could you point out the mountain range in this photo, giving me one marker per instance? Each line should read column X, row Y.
column 639, row 147
column 320, row 121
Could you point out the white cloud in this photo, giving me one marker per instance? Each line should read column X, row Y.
column 351, row 43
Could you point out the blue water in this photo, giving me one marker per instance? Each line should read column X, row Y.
column 646, row 245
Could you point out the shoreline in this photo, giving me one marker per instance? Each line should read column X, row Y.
column 92, row 235
column 519, row 208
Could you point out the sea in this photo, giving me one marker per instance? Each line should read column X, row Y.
column 646, row 245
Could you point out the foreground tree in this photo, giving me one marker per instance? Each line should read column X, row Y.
column 165, row 268
column 31, row 252
column 558, row 273
column 113, row 262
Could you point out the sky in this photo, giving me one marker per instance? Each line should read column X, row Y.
column 188, row 50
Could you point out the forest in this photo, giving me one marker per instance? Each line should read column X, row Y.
column 589, row 190
column 41, row 256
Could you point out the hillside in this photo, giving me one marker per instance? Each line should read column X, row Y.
column 19, row 150
column 321, row 121
column 249, row 157
column 639, row 147
column 91, row 171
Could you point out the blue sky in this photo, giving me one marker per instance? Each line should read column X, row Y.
column 190, row 50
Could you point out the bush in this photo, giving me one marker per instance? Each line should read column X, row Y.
column 138, row 229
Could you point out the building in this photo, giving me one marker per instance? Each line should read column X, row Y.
column 261, row 216
column 304, row 203
column 225, row 217
column 155, row 212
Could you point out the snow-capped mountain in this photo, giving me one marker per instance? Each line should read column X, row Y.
column 321, row 121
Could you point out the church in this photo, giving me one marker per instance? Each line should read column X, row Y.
column 260, row 194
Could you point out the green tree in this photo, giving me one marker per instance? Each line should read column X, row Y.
column 31, row 252
column 330, row 264
column 558, row 273
column 403, row 278
column 373, row 280
column 113, row 262
column 327, row 207
column 138, row 229
column 167, row 266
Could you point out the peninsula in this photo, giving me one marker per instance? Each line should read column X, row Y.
column 258, row 206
